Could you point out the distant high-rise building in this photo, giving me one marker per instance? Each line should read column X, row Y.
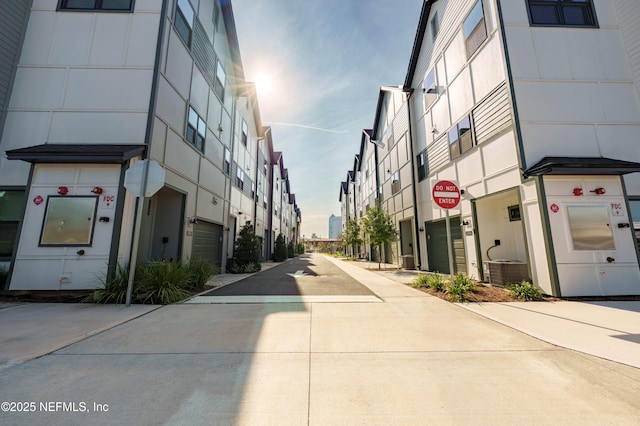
column 335, row 226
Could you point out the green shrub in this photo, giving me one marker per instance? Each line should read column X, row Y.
column 280, row 253
column 525, row 290
column 421, row 281
column 114, row 287
column 246, row 250
column 459, row 286
column 199, row 271
column 163, row 282
column 437, row 282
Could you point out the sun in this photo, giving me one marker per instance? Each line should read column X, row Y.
column 263, row 83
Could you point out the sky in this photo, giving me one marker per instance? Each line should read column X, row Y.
column 318, row 67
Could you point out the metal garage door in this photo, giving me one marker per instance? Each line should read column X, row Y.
column 207, row 242
column 437, row 246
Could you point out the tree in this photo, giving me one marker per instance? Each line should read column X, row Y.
column 280, row 253
column 246, row 251
column 378, row 226
column 351, row 235
column 290, row 251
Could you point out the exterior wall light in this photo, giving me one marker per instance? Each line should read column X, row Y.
column 578, row 192
column 599, row 191
column 97, row 190
column 63, row 190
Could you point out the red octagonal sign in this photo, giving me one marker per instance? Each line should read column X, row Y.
column 446, row 194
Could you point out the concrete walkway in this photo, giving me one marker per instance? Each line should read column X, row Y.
column 609, row 330
column 411, row 360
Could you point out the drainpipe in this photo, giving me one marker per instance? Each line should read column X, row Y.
column 416, row 224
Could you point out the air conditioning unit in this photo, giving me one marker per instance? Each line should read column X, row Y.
column 503, row 272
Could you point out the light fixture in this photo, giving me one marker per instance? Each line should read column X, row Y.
column 97, row 190
column 193, row 221
column 220, row 127
column 214, row 200
column 434, row 130
column 599, row 191
column 63, row 190
column 421, row 229
column 578, row 192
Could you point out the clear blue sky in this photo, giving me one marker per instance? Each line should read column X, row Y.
column 318, row 66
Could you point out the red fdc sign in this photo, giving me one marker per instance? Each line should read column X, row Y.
column 446, row 194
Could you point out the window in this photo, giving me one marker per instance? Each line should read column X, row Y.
column 395, row 182
column 196, row 130
column 227, row 161
column 103, row 5
column 239, row 178
column 590, row 228
column 562, row 13
column 184, row 20
column 435, row 26
column 245, row 131
column 390, row 136
column 474, row 29
column 430, row 88
column 423, row 166
column 460, row 140
column 221, row 78
column 366, row 169
column 69, row 221
column 11, row 203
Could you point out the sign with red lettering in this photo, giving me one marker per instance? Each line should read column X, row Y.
column 108, row 201
column 446, row 194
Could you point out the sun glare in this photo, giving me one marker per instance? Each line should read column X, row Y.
column 263, row 83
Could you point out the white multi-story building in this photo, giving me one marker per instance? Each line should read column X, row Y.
column 532, row 108
column 95, row 86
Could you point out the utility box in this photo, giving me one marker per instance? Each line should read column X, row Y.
column 503, row 272
column 408, row 262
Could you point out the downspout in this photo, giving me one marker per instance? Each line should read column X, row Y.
column 137, row 219
column 416, row 224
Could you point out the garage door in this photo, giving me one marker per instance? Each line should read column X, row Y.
column 207, row 242
column 437, row 246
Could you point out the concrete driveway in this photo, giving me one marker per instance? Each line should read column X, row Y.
column 411, row 359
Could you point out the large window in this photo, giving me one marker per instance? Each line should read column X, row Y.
column 11, row 202
column 184, row 19
column 562, row 13
column 221, row 80
column 430, row 88
column 196, row 130
column 460, row 138
column 423, row 166
column 245, row 133
column 102, row 5
column 69, row 221
column 395, row 182
column 240, row 178
column 474, row 29
column 435, row 26
column 227, row 161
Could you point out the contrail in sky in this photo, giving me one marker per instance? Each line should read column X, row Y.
column 306, row 127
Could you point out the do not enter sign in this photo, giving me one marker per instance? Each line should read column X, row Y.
column 446, row 194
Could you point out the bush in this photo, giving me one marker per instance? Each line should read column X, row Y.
column 459, row 286
column 246, row 250
column 163, row 282
column 280, row 251
column 525, row 290
column 114, row 287
column 290, row 251
column 421, row 281
column 199, row 271
column 433, row 281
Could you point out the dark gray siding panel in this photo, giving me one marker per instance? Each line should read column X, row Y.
column 14, row 16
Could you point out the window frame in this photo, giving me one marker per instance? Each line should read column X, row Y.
column 226, row 161
column 12, row 221
column 91, row 231
column 459, row 140
column 198, row 129
column 559, row 5
column 422, row 165
column 473, row 32
column 395, row 182
column 435, row 26
column 63, row 7
column 180, row 14
column 240, row 178
column 244, row 137
column 221, row 80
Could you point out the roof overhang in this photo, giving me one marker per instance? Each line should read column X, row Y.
column 76, row 153
column 581, row 166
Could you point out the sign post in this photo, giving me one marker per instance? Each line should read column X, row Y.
column 446, row 195
column 143, row 179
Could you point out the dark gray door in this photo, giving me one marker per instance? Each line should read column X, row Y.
column 207, row 242
column 437, row 246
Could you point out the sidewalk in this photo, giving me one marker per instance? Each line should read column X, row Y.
column 609, row 330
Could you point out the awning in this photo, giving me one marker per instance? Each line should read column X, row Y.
column 76, row 153
column 581, row 166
